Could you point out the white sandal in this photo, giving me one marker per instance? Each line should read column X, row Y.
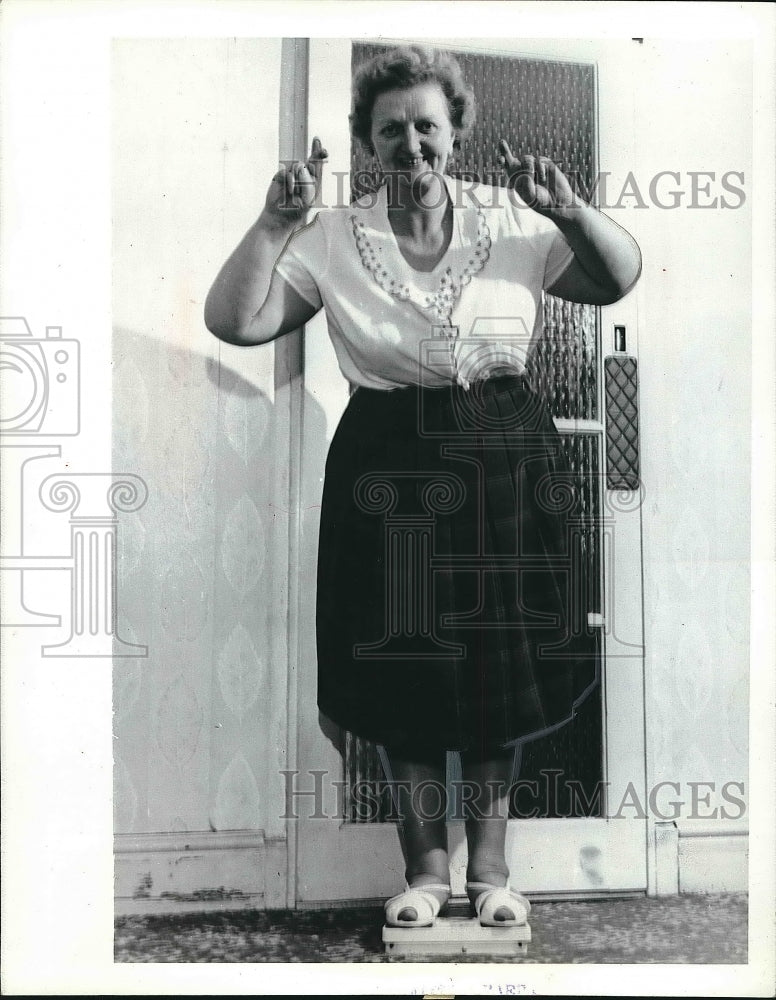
column 421, row 900
column 491, row 899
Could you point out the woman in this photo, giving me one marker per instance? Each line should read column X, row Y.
column 445, row 601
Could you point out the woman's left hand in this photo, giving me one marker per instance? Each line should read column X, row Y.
column 537, row 180
column 607, row 260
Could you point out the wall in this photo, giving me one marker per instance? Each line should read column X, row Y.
column 693, row 113
column 200, row 724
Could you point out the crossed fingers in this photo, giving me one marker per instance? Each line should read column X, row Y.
column 301, row 180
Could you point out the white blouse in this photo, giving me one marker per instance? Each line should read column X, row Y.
column 478, row 312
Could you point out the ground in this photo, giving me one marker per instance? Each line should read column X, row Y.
column 688, row 929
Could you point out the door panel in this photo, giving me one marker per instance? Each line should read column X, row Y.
column 547, row 107
column 546, row 101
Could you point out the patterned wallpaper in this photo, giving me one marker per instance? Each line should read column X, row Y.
column 695, row 361
column 697, row 578
column 192, row 725
column 199, row 724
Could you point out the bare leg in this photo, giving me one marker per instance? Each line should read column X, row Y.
column 418, row 791
column 486, row 822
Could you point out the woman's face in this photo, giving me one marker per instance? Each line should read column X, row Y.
column 411, row 131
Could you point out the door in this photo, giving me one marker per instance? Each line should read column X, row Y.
column 578, row 825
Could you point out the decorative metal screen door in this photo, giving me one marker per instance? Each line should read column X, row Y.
column 579, row 839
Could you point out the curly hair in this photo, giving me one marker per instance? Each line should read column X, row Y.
column 402, row 68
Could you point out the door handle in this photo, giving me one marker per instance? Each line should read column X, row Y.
column 621, row 384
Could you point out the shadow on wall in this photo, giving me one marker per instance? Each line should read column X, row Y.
column 203, row 581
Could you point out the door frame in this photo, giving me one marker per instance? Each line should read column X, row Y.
column 589, row 856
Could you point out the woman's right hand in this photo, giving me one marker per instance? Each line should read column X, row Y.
column 295, row 187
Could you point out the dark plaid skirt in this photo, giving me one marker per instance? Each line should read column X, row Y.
column 450, row 612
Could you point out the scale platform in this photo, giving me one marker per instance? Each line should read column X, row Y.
column 455, row 935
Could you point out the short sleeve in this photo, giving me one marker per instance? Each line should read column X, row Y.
column 545, row 237
column 303, row 262
column 558, row 259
